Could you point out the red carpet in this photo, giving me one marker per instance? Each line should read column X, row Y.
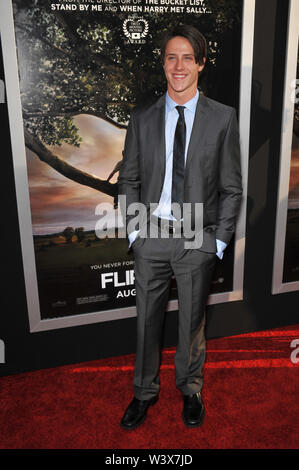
column 250, row 394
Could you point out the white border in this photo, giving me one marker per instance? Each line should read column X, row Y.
column 278, row 286
column 22, row 190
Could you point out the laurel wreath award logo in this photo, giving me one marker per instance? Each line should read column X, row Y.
column 135, row 29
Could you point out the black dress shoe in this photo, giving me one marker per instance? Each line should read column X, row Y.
column 135, row 414
column 194, row 411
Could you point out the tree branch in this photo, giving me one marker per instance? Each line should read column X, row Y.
column 86, row 56
column 29, row 30
column 98, row 58
column 67, row 170
column 28, row 115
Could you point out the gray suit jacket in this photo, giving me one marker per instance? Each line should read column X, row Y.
column 212, row 171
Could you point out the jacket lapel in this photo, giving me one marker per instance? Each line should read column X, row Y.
column 198, row 129
column 160, row 132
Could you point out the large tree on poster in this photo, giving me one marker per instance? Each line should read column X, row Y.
column 74, row 63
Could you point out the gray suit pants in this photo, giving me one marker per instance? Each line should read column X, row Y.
column 156, row 260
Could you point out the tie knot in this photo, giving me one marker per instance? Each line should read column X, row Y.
column 180, row 110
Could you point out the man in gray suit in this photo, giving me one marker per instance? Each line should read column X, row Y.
column 182, row 150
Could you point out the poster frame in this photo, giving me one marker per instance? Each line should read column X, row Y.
column 278, row 286
column 37, row 324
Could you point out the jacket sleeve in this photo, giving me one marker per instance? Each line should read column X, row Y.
column 129, row 173
column 229, row 181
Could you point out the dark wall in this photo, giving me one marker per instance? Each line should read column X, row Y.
column 258, row 310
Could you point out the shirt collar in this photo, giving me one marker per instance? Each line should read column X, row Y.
column 191, row 104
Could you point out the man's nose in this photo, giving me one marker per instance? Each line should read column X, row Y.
column 179, row 64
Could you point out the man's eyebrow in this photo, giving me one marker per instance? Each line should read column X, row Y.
column 173, row 53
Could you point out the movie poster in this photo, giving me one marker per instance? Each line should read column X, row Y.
column 83, row 65
column 291, row 258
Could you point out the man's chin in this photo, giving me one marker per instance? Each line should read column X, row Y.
column 178, row 89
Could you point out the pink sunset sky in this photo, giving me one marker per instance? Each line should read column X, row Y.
column 294, row 175
column 57, row 202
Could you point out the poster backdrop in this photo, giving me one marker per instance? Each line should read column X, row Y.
column 291, row 259
column 83, row 65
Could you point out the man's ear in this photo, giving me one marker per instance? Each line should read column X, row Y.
column 201, row 66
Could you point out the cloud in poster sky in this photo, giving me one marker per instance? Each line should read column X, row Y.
column 56, row 201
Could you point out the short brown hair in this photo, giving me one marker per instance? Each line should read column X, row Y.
column 195, row 37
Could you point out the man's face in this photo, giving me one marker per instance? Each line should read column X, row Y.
column 180, row 69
